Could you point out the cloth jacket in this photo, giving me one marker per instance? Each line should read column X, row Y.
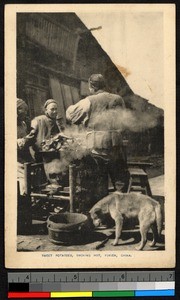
column 44, row 128
column 103, row 126
column 23, row 154
column 99, row 113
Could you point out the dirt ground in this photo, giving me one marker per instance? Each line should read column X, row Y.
column 98, row 240
column 102, row 238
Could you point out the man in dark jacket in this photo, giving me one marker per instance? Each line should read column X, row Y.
column 100, row 112
column 23, row 153
column 45, row 126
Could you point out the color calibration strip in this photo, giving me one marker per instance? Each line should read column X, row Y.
column 93, row 284
column 44, row 295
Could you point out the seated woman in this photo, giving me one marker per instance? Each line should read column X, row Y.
column 45, row 126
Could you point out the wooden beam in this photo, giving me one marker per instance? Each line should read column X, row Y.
column 52, row 197
column 72, row 185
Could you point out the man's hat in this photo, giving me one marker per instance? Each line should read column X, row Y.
column 21, row 103
column 97, row 81
column 49, row 101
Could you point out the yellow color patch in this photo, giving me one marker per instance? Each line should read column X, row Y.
column 70, row 294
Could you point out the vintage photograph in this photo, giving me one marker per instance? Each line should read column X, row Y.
column 89, row 113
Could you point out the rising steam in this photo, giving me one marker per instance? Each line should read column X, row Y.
column 115, row 119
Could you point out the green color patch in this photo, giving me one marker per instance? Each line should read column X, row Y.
column 114, row 294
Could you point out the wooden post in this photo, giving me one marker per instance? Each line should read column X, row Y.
column 72, row 185
column 27, row 178
column 76, row 51
column 125, row 144
column 27, row 183
column 25, row 212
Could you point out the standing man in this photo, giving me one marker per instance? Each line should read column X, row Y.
column 100, row 113
column 45, row 126
column 23, row 153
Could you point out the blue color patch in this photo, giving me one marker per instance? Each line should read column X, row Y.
column 155, row 293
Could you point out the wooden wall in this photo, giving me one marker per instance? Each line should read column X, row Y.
column 56, row 54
